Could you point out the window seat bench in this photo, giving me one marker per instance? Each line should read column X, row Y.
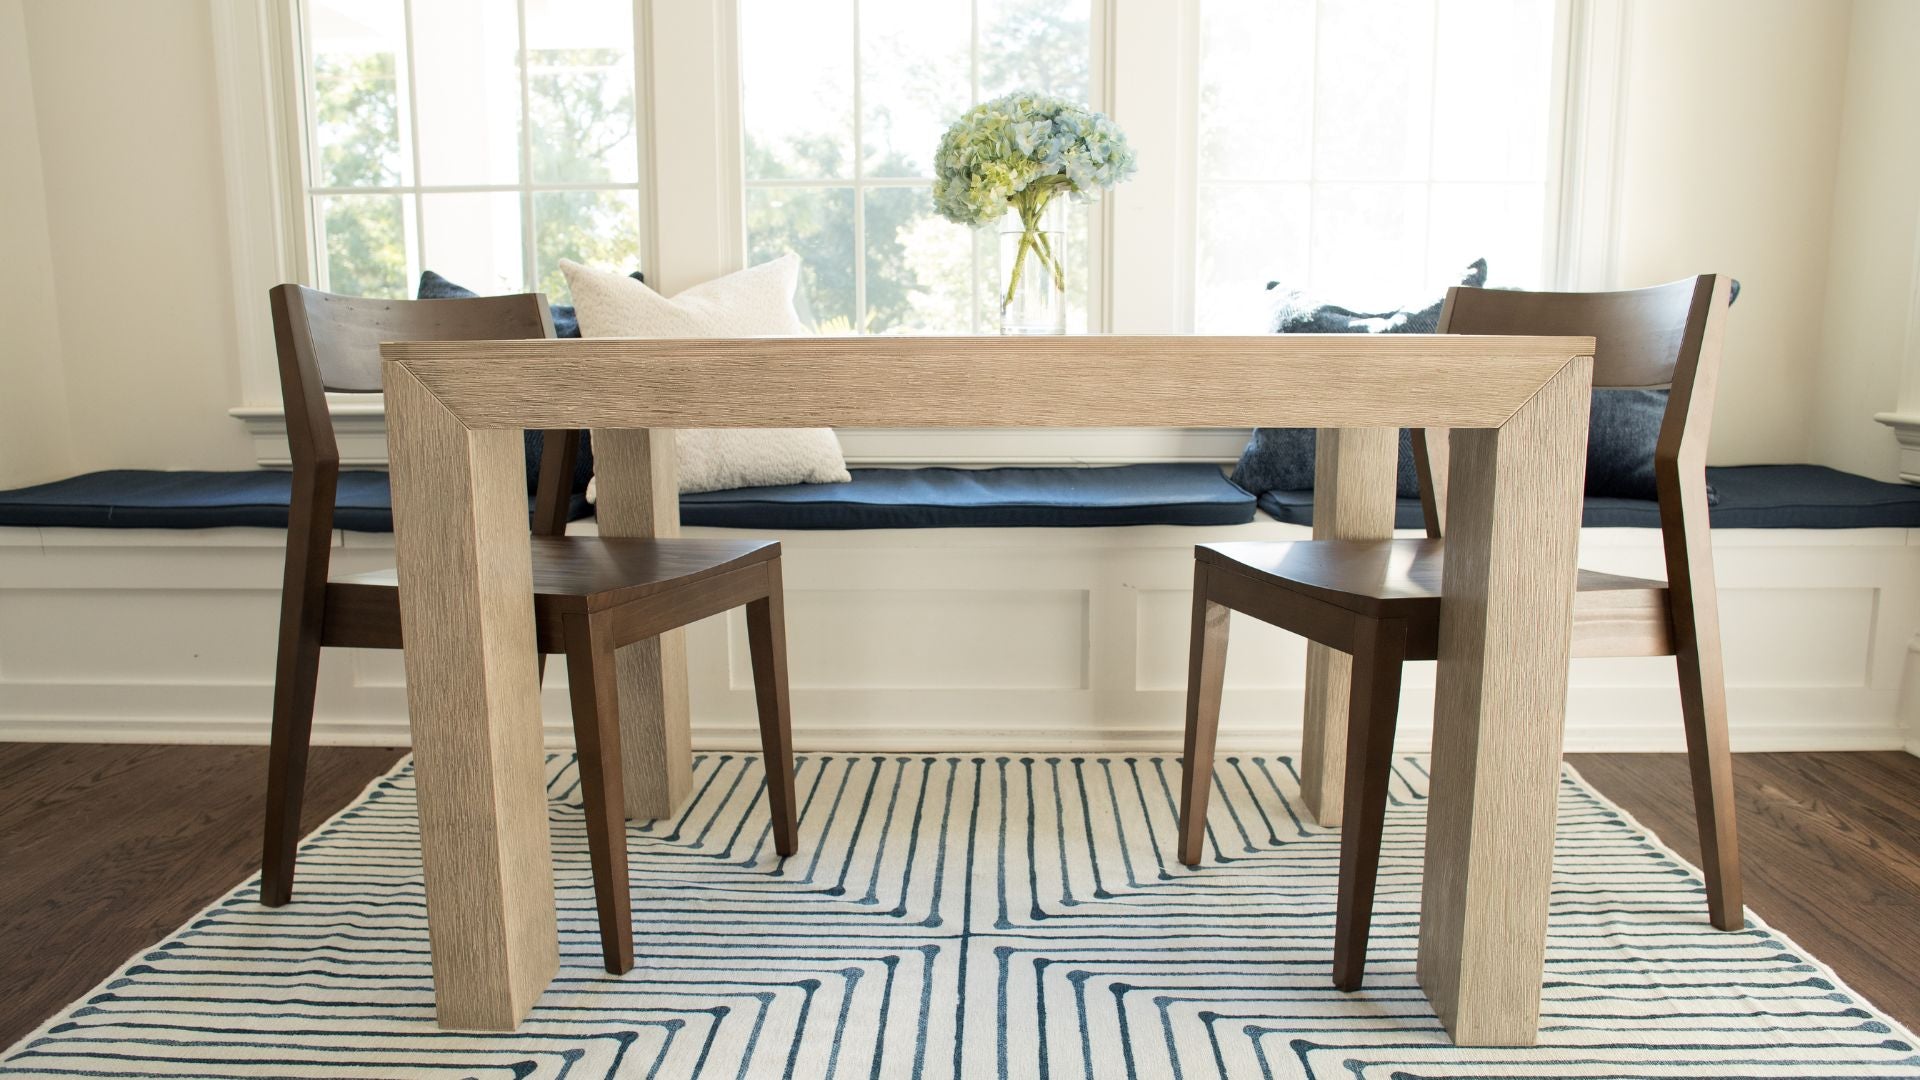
column 940, row 609
column 1750, row 497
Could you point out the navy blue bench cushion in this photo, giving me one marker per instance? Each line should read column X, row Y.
column 973, row 498
column 1751, row 497
column 152, row 499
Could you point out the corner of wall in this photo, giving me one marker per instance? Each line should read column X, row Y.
column 35, row 444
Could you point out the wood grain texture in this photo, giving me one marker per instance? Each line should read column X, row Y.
column 1500, row 703
column 596, row 735
column 1833, row 846
column 767, row 648
column 1613, row 615
column 1379, row 656
column 466, row 600
column 1295, row 380
column 1353, row 478
column 106, row 849
column 638, row 479
column 1206, row 677
column 1680, row 475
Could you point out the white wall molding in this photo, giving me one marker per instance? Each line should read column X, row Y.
column 1905, row 421
column 944, row 639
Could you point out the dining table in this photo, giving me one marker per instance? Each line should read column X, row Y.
column 1517, row 407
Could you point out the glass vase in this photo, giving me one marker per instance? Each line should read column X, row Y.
column 1033, row 277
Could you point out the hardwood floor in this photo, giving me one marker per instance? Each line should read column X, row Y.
column 1830, row 852
column 104, row 850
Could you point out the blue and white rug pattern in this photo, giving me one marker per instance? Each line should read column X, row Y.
column 968, row 915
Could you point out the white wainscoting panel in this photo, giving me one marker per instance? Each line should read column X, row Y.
column 943, row 638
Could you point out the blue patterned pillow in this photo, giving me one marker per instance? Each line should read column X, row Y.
column 1281, row 459
column 566, row 325
column 1623, row 425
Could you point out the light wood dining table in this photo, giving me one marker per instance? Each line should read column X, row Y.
column 456, row 410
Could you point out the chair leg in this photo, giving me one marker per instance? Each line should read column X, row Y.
column 1372, row 715
column 767, row 642
column 1703, row 704
column 593, row 685
column 1206, row 673
column 296, row 676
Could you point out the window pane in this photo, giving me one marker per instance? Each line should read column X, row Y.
column 817, row 225
column 919, row 265
column 1374, row 110
column 1369, row 244
column 597, row 228
column 1035, row 45
column 915, row 79
column 1502, row 223
column 1250, row 234
column 474, row 239
column 1492, row 85
column 796, row 60
column 364, row 238
column 580, row 89
column 1256, row 90
column 467, row 90
column 1079, row 228
column 1365, row 151
column 358, row 110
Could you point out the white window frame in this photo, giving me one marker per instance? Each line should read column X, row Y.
column 1141, row 254
column 298, row 22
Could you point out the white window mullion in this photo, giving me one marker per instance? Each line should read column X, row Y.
column 411, row 209
column 1150, row 246
column 529, row 268
column 859, row 192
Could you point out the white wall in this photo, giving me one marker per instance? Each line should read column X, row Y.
column 33, row 402
column 1731, row 135
column 1873, row 260
column 122, row 101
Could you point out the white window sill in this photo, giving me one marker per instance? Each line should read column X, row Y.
column 360, row 427
column 1906, row 428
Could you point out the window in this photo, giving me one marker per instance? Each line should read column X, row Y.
column 1365, row 151
column 844, row 102
column 481, row 139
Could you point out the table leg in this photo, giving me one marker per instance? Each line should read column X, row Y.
column 1353, row 487
column 466, row 601
column 1513, row 533
column 637, row 482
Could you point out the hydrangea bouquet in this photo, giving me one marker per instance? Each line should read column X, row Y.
column 1016, row 153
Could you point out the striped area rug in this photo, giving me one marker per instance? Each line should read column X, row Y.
column 968, row 916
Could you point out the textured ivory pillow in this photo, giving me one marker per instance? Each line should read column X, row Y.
column 754, row 302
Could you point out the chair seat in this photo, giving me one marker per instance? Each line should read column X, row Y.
column 1614, row 615
column 570, row 574
column 601, row 572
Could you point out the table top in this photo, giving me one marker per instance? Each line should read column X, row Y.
column 1122, row 380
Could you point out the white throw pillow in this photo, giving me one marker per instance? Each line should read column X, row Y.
column 754, row 302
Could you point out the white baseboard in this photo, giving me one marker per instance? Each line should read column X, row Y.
column 951, row 640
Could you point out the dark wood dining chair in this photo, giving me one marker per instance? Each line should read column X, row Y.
column 1379, row 601
column 591, row 595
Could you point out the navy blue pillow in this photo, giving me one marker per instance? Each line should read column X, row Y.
column 1623, row 425
column 1281, row 459
column 1623, row 428
column 565, row 324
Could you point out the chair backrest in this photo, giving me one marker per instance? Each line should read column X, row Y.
column 332, row 343
column 1664, row 336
